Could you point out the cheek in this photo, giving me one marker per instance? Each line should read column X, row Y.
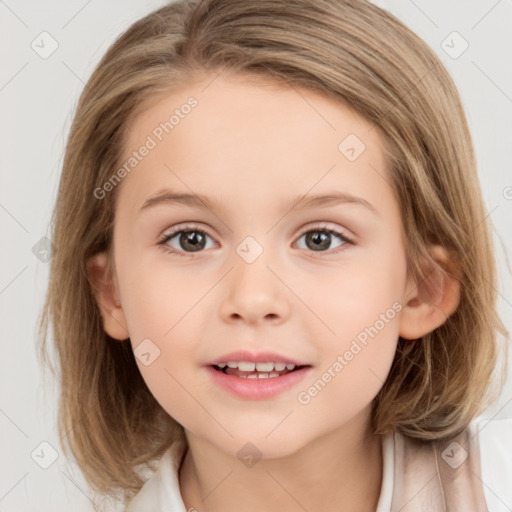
column 353, row 297
column 355, row 361
column 361, row 306
column 171, row 356
column 162, row 322
column 159, row 300
column 344, row 387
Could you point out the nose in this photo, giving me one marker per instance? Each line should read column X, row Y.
column 255, row 293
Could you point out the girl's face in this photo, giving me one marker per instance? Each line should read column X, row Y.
column 265, row 266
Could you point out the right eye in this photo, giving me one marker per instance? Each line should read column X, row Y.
column 189, row 239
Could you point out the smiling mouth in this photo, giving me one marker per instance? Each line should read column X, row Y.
column 255, row 374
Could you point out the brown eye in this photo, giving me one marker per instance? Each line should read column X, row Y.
column 321, row 240
column 191, row 240
column 187, row 240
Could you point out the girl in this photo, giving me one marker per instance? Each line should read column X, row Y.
column 274, row 287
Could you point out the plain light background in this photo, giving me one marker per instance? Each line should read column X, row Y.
column 37, row 100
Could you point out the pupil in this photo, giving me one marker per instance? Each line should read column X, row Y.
column 320, row 240
column 193, row 238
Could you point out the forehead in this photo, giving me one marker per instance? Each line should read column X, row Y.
column 236, row 134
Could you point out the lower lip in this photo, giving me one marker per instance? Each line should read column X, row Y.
column 257, row 389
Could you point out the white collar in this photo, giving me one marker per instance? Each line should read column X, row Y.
column 162, row 491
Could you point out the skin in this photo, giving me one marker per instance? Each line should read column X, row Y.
column 252, row 146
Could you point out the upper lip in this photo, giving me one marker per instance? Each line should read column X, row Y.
column 255, row 357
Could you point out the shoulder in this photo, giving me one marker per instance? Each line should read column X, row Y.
column 495, row 447
column 161, row 491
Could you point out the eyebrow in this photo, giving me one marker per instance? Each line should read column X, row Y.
column 167, row 197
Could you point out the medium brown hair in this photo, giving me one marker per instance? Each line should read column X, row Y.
column 350, row 50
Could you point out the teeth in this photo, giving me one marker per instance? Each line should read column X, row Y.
column 270, row 375
column 264, row 367
column 246, row 366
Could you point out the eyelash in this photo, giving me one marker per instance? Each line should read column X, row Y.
column 162, row 243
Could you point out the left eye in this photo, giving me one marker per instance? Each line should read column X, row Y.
column 319, row 239
column 191, row 239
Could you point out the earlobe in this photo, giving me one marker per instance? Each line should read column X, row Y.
column 107, row 296
column 430, row 302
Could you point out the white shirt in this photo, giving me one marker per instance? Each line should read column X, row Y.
column 161, row 491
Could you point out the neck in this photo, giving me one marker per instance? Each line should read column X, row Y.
column 339, row 471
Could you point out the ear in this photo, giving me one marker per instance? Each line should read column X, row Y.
column 107, row 296
column 433, row 300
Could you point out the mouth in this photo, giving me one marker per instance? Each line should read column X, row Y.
column 247, row 370
column 256, row 381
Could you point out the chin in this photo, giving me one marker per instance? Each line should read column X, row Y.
column 256, row 445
